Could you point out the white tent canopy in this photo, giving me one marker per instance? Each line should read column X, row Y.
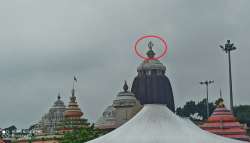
column 157, row 124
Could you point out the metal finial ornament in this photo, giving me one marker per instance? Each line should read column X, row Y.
column 73, row 89
column 58, row 96
column 150, row 53
column 73, row 98
column 125, row 86
column 73, row 92
column 220, row 93
column 150, row 45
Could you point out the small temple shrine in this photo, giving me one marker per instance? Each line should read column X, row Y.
column 72, row 116
column 49, row 122
column 223, row 122
column 124, row 107
column 73, row 111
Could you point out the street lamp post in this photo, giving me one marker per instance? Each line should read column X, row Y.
column 228, row 48
column 207, row 82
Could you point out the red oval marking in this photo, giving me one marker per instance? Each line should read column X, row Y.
column 164, row 43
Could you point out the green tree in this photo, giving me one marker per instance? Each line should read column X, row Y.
column 191, row 107
column 81, row 135
column 242, row 112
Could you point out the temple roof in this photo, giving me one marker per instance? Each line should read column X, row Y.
column 157, row 124
column 223, row 122
column 58, row 103
column 151, row 63
column 151, row 85
column 107, row 120
column 55, row 112
column 124, row 107
column 73, row 110
column 125, row 98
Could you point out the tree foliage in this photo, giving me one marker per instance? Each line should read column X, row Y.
column 81, row 135
column 191, row 108
column 242, row 112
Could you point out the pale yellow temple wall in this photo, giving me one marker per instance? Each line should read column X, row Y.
column 125, row 114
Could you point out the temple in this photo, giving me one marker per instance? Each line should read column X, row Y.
column 222, row 122
column 151, row 85
column 156, row 122
column 72, row 116
column 124, row 107
column 49, row 122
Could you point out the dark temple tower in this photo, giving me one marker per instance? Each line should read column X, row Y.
column 151, row 85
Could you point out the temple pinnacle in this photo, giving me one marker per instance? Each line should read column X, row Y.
column 150, row 52
column 220, row 93
column 125, row 86
column 58, row 96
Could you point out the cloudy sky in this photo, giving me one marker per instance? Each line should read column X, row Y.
column 44, row 43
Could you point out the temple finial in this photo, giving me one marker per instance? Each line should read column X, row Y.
column 150, row 45
column 73, row 98
column 125, row 86
column 73, row 89
column 220, row 101
column 150, row 53
column 73, row 92
column 58, row 96
column 220, row 93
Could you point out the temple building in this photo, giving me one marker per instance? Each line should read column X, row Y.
column 151, row 85
column 124, row 107
column 156, row 122
column 222, row 122
column 49, row 122
column 72, row 116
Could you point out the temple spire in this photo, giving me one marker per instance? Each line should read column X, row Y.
column 125, row 86
column 59, row 96
column 150, row 52
column 73, row 89
column 220, row 93
column 73, row 97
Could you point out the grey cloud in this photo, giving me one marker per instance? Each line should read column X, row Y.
column 44, row 43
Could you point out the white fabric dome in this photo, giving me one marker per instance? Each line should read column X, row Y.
column 157, row 124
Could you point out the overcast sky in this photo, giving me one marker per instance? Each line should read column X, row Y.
column 44, row 43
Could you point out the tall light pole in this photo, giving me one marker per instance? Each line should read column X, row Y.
column 207, row 82
column 228, row 48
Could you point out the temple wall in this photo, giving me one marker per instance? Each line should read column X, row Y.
column 124, row 114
